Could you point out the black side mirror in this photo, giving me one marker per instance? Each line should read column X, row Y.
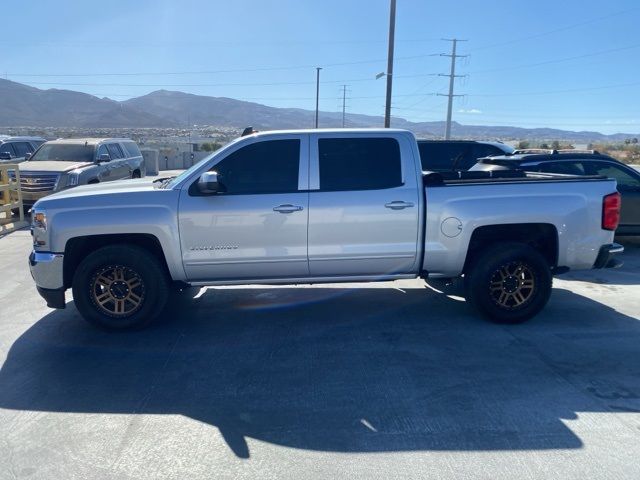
column 104, row 157
column 209, row 184
column 27, row 156
column 5, row 156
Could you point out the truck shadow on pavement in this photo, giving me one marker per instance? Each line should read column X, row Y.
column 336, row 369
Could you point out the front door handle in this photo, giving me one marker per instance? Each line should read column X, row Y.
column 288, row 208
column 398, row 205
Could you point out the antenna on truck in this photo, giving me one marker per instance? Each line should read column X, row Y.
column 248, row 131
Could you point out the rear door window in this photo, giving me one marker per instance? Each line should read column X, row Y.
column 359, row 164
column 115, row 151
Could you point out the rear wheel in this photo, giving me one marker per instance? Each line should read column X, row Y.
column 509, row 283
column 120, row 287
column 135, row 174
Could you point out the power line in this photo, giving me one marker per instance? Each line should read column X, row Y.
column 559, row 60
column 555, row 30
column 257, row 84
column 202, row 72
column 553, row 92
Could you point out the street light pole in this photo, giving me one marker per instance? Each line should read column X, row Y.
column 317, row 92
column 392, row 31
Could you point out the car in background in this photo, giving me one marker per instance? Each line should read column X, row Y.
column 450, row 155
column 66, row 163
column 577, row 162
column 18, row 149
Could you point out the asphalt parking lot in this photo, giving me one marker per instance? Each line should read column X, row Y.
column 393, row 380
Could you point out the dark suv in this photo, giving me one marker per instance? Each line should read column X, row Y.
column 574, row 162
column 18, row 149
column 448, row 155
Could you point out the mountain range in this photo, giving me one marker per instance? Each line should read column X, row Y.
column 23, row 105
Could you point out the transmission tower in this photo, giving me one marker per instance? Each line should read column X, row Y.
column 452, row 77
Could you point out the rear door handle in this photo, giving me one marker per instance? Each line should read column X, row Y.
column 398, row 205
column 288, row 208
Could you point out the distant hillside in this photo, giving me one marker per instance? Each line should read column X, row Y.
column 22, row 105
column 28, row 106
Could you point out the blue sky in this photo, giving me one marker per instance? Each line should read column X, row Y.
column 571, row 65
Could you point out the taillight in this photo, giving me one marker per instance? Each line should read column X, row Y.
column 611, row 211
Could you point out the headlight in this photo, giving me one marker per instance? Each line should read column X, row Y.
column 39, row 220
column 73, row 180
column 39, row 227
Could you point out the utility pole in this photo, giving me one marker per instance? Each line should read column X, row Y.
column 452, row 76
column 392, row 32
column 317, row 92
column 344, row 103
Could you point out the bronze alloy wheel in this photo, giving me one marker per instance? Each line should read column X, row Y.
column 512, row 285
column 117, row 291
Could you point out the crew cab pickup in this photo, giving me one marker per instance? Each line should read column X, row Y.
column 312, row 206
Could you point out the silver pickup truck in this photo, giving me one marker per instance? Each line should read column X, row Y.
column 313, row 206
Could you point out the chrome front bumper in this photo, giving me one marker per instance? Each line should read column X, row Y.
column 47, row 271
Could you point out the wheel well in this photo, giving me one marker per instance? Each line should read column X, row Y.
column 93, row 180
column 541, row 236
column 78, row 248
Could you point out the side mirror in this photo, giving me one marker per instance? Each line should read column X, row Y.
column 5, row 156
column 209, row 183
column 104, row 157
column 27, row 156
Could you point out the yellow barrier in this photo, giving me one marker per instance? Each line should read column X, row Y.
column 11, row 197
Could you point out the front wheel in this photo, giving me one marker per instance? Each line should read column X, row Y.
column 508, row 283
column 120, row 287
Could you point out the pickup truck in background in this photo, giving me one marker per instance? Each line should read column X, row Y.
column 313, row 206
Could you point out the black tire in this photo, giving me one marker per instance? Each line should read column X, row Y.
column 508, row 283
column 120, row 287
column 135, row 174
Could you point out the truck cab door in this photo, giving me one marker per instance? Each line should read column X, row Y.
column 364, row 205
column 256, row 227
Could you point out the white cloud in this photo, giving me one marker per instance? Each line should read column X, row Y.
column 471, row 110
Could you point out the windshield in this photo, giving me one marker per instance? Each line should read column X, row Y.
column 64, row 152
